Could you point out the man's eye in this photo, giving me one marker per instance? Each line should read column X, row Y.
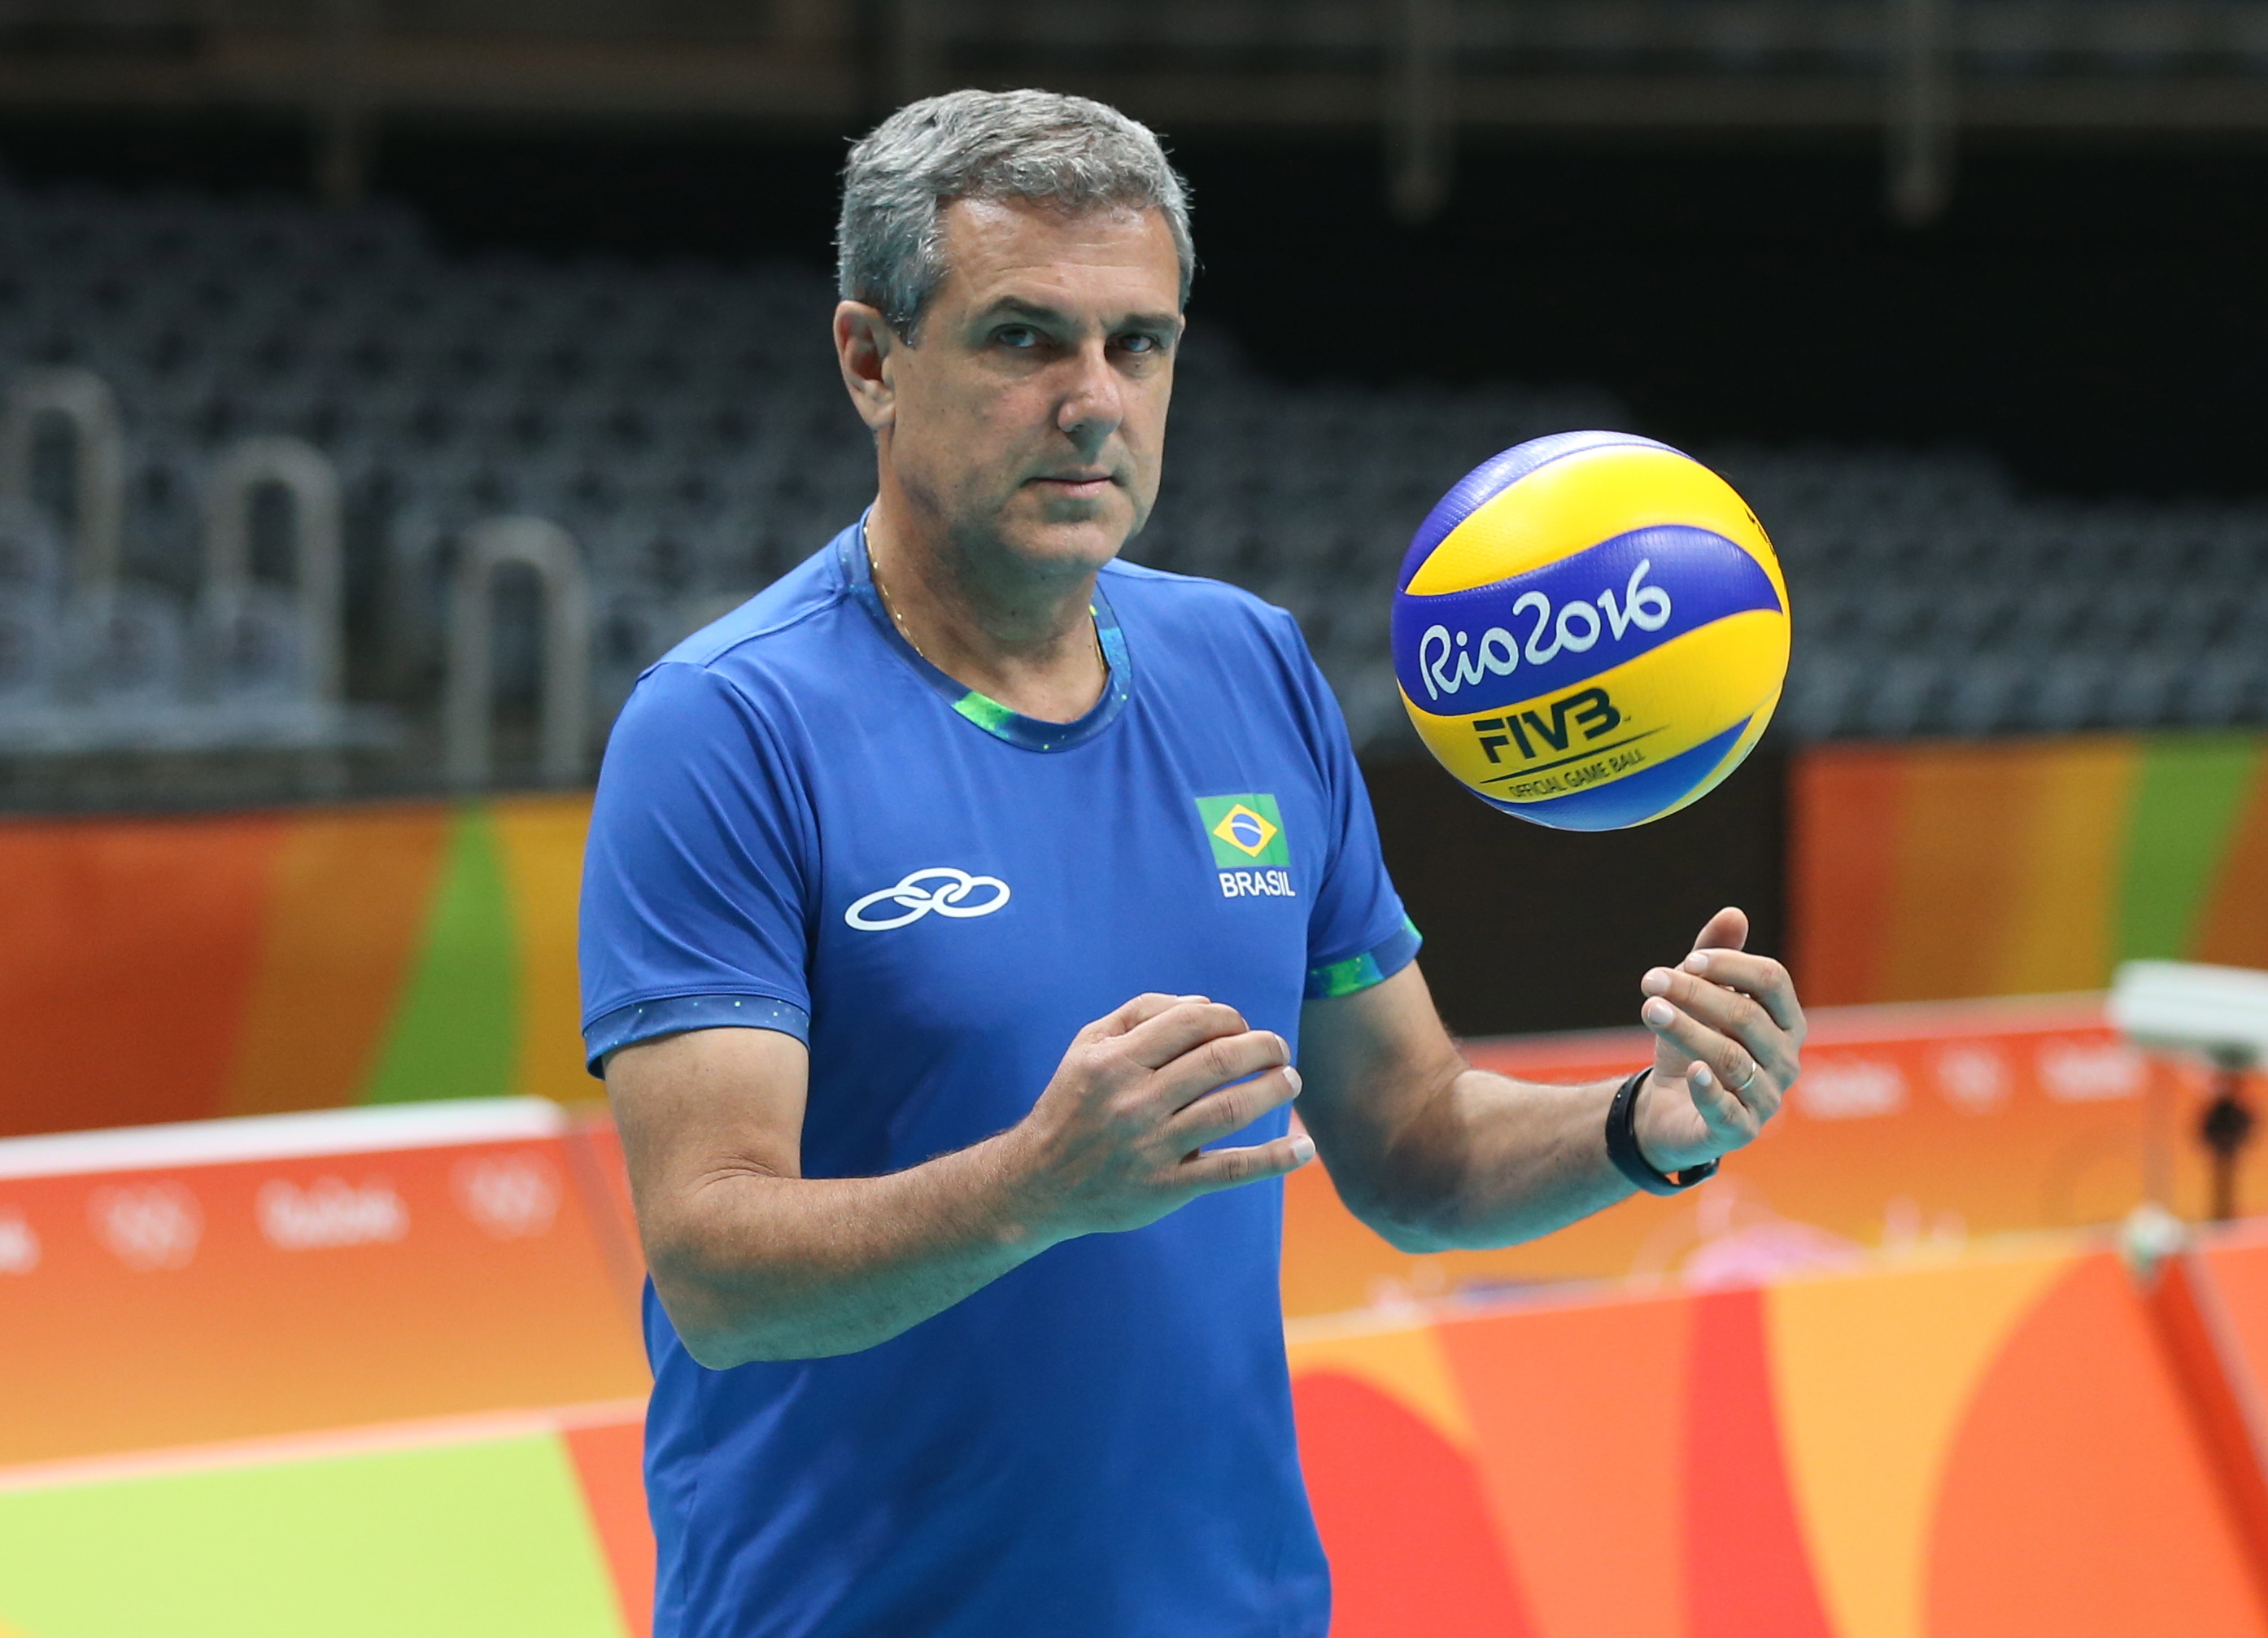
column 1138, row 343
column 1017, row 336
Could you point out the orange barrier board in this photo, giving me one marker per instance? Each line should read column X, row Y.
column 1911, row 1123
column 1926, row 869
column 173, row 969
column 242, row 1353
column 171, row 1285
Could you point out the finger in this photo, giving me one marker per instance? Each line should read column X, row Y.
column 1135, row 1012
column 1216, row 1063
column 1232, row 1108
column 1759, row 976
column 1730, row 1014
column 1175, row 1030
column 1229, row 1168
column 1737, row 1073
column 1727, row 930
column 1725, row 1115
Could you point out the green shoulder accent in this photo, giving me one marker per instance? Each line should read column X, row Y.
column 987, row 714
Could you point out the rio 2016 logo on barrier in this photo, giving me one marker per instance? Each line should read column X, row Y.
column 329, row 1213
column 1576, row 629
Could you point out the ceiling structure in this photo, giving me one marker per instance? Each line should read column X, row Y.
column 1418, row 72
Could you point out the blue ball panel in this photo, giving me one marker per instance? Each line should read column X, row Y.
column 1634, row 799
column 1497, row 474
column 1705, row 575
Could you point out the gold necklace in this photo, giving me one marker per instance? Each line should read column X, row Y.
column 890, row 608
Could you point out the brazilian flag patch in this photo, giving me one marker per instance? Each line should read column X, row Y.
column 1246, row 830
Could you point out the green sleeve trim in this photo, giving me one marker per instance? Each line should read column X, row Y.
column 1336, row 978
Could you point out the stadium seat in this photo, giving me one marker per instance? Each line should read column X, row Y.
column 687, row 426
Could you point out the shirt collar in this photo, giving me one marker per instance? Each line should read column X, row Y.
column 1026, row 733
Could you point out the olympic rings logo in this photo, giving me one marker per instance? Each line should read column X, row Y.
column 915, row 901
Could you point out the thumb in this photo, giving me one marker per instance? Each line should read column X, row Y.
column 1727, row 930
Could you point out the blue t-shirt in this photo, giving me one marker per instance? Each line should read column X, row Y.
column 803, row 826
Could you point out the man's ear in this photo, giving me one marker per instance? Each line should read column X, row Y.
column 863, row 346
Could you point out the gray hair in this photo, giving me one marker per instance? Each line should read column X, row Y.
column 1068, row 152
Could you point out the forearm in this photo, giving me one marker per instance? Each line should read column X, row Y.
column 1437, row 1155
column 753, row 1261
column 760, row 1266
column 1488, row 1161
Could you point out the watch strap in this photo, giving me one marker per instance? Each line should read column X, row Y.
column 1629, row 1159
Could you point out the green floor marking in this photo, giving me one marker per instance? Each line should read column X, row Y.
column 2189, row 795
column 456, row 1032
column 471, row 1541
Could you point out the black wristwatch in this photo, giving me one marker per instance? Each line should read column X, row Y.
column 1629, row 1159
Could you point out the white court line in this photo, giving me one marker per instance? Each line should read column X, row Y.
column 283, row 1136
column 429, row 1433
column 1857, row 1024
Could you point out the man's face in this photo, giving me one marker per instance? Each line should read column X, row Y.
column 1029, row 420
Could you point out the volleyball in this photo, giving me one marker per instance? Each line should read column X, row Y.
column 1590, row 631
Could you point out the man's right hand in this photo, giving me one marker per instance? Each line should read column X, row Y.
column 1114, row 1141
column 754, row 1261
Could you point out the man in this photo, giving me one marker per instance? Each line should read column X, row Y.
column 954, row 1083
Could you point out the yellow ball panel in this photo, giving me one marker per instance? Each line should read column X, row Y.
column 1731, row 759
column 1629, row 716
column 1569, row 504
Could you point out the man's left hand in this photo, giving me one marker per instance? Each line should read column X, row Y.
column 1728, row 1035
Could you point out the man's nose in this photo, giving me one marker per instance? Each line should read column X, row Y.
column 1093, row 405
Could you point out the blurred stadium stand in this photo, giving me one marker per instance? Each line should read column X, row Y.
column 684, row 425
column 1932, row 600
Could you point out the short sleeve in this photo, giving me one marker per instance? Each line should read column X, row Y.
column 698, row 873
column 1358, row 933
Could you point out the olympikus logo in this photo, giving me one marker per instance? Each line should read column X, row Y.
column 955, row 893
